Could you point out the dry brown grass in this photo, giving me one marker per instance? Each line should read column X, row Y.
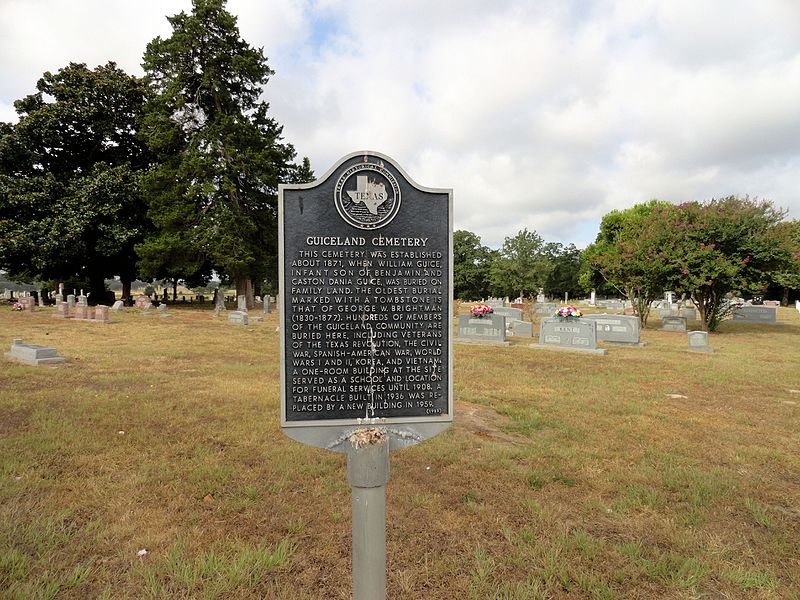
column 563, row 476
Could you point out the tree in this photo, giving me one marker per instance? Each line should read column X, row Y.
column 632, row 254
column 521, row 266
column 565, row 265
column 221, row 156
column 726, row 245
column 788, row 278
column 471, row 262
column 69, row 179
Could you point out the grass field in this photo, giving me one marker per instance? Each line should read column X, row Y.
column 647, row 473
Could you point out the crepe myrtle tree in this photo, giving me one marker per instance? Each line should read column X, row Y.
column 726, row 245
column 632, row 254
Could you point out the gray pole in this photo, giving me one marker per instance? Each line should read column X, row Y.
column 368, row 474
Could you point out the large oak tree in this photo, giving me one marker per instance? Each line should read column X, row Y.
column 70, row 202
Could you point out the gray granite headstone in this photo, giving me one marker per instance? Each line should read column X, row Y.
column 698, row 341
column 161, row 307
column 71, row 301
column 119, row 306
column 618, row 329
column 673, row 324
column 241, row 303
column 33, row 355
column 575, row 335
column 237, row 317
column 545, row 309
column 519, row 328
column 690, row 314
column 755, row 314
column 490, row 329
column 83, row 300
column 508, row 312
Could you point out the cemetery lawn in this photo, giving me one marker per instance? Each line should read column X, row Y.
column 647, row 473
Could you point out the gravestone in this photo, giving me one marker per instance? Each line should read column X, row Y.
column 698, row 341
column 28, row 303
column 59, row 298
column 71, row 301
column 755, row 314
column 495, row 302
column 772, row 303
column 545, row 309
column 62, row 310
column 518, row 328
column 83, row 300
column 82, row 312
column 690, row 314
column 161, row 308
column 241, row 303
column 237, row 317
column 673, row 323
column 32, row 354
column 573, row 335
column 101, row 314
column 617, row 329
column 119, row 306
column 490, row 329
column 797, row 305
column 509, row 313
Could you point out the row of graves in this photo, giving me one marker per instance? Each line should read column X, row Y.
column 567, row 328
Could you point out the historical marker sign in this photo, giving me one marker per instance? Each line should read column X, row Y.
column 366, row 280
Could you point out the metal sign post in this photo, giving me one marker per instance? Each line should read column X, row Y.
column 366, row 281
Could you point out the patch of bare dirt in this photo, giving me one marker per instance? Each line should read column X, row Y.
column 485, row 423
column 12, row 421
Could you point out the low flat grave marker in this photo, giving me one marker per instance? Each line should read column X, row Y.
column 32, row 354
column 366, row 346
column 238, row 317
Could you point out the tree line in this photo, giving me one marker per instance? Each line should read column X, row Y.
column 707, row 252
column 172, row 176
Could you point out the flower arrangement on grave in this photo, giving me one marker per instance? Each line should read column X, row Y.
column 568, row 313
column 481, row 310
column 16, row 306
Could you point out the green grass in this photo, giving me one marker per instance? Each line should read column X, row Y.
column 562, row 477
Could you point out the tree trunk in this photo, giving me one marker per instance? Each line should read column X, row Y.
column 244, row 287
column 175, row 290
column 219, row 301
column 97, row 290
column 785, row 300
column 126, row 288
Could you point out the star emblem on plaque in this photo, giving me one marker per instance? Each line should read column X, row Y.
column 367, row 195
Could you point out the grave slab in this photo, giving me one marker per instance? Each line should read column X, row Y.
column 32, row 354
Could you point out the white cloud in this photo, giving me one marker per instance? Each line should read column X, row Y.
column 542, row 115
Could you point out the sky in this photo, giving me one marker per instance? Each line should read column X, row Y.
column 543, row 115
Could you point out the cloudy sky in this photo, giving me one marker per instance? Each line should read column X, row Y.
column 544, row 114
